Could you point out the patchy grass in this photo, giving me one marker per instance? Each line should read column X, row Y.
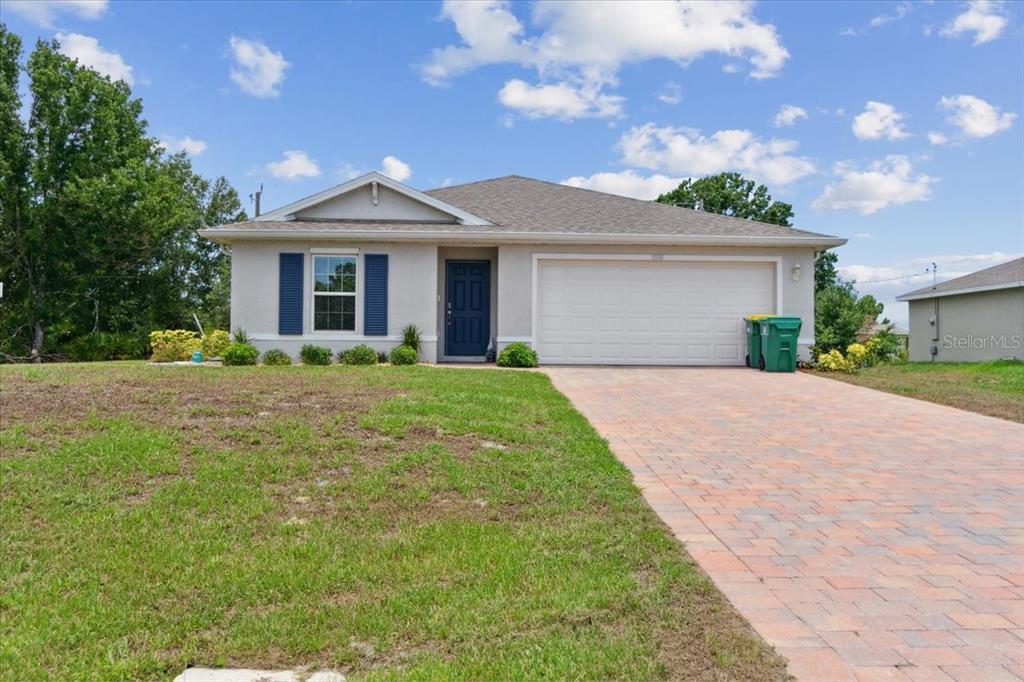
column 390, row 522
column 993, row 388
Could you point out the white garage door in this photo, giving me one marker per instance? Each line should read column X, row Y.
column 649, row 313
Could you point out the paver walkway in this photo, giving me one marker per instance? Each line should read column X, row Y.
column 865, row 535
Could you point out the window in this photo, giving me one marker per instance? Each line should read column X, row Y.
column 334, row 293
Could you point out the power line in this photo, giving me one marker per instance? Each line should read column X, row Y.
column 893, row 279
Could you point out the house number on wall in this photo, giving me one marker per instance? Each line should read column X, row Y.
column 657, row 256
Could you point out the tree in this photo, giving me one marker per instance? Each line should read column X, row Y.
column 97, row 228
column 825, row 272
column 730, row 194
column 839, row 313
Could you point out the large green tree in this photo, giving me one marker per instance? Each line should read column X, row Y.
column 97, row 227
column 730, row 194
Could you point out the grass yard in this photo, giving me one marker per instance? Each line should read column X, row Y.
column 993, row 388
column 413, row 522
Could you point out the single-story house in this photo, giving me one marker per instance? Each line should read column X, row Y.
column 976, row 317
column 582, row 276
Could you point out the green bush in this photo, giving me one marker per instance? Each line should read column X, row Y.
column 315, row 355
column 105, row 346
column 517, row 354
column 214, row 343
column 411, row 337
column 241, row 336
column 276, row 356
column 403, row 355
column 173, row 345
column 884, row 347
column 382, row 358
column 358, row 355
column 240, row 354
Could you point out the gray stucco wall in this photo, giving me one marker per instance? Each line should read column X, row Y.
column 416, row 286
column 412, row 287
column 986, row 325
column 515, row 268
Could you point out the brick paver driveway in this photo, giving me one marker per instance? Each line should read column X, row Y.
column 865, row 535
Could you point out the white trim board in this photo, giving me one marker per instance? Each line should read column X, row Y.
column 647, row 257
column 957, row 292
column 335, row 336
column 288, row 212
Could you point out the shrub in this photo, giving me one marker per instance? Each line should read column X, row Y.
column 106, row 346
column 404, row 355
column 315, row 355
column 240, row 354
column 884, row 347
column 358, row 355
column 833, row 361
column 382, row 358
column 411, row 337
column 517, row 354
column 241, row 336
column 214, row 343
column 856, row 354
column 276, row 356
column 172, row 345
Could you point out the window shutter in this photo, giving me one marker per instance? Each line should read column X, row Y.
column 289, row 307
column 375, row 296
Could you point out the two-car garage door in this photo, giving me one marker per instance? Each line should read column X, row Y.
column 636, row 312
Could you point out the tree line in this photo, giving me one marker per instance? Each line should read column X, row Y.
column 98, row 225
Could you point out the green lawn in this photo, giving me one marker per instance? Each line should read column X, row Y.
column 414, row 522
column 993, row 388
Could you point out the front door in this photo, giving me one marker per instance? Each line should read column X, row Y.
column 467, row 307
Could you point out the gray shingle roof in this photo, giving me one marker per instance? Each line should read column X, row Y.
column 1006, row 274
column 520, row 208
column 529, row 205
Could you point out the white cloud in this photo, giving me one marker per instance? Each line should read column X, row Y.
column 902, row 10
column 294, row 165
column 863, row 235
column 189, row 145
column 395, row 168
column 937, row 138
column 560, row 100
column 983, row 18
column 976, row 117
column 258, row 70
column 672, row 93
column 626, row 183
column 585, row 44
column 788, row 115
column 684, row 151
column 879, row 120
column 87, row 51
column 45, row 12
column 888, row 182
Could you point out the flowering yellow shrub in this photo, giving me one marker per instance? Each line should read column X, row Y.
column 215, row 342
column 833, row 361
column 856, row 353
column 172, row 345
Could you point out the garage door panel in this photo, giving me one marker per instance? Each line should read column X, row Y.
column 674, row 312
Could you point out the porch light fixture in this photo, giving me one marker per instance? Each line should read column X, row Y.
column 796, row 272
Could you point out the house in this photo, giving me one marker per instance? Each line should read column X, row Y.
column 872, row 327
column 582, row 276
column 976, row 317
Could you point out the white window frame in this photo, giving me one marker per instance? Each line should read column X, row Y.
column 354, row 294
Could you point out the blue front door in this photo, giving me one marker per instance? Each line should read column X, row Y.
column 467, row 307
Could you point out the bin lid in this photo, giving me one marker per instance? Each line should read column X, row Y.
column 782, row 322
column 754, row 318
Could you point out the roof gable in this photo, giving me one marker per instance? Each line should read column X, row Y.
column 372, row 197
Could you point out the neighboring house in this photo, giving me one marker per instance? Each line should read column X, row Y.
column 976, row 317
column 870, row 328
column 582, row 276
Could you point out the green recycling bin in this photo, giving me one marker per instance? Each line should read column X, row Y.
column 753, row 324
column 779, row 343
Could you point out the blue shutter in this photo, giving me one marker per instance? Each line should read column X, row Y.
column 375, row 295
column 289, row 306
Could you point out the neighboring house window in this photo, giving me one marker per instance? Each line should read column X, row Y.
column 334, row 293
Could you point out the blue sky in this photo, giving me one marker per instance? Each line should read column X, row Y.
column 894, row 124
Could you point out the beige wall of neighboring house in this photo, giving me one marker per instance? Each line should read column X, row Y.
column 971, row 327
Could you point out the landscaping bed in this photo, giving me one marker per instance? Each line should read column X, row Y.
column 993, row 388
column 381, row 521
